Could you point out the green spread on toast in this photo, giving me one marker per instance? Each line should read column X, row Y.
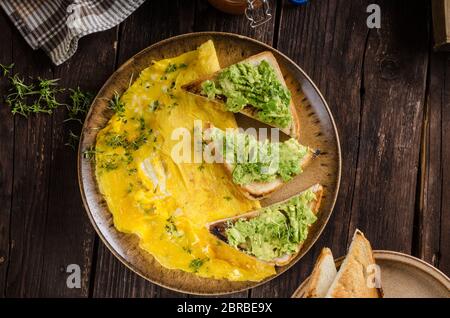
column 259, row 161
column 277, row 231
column 244, row 84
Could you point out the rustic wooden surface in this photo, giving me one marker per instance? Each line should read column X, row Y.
column 388, row 91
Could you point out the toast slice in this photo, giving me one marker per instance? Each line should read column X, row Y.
column 257, row 190
column 218, row 228
column 250, row 111
column 353, row 279
column 322, row 276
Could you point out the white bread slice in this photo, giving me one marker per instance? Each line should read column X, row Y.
column 292, row 130
column 322, row 276
column 218, row 227
column 258, row 190
column 352, row 279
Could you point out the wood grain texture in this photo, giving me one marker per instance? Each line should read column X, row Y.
column 6, row 158
column 432, row 233
column 395, row 70
column 327, row 39
column 32, row 173
column 69, row 235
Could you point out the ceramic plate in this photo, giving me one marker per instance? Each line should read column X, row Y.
column 404, row 276
column 317, row 130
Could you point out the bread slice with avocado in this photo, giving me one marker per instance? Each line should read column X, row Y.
column 257, row 177
column 322, row 276
column 254, row 87
column 273, row 234
column 357, row 272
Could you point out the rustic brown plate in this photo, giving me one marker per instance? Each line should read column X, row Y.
column 317, row 130
column 403, row 276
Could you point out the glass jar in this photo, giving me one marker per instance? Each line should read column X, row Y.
column 257, row 12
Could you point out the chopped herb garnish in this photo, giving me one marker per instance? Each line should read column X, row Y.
column 154, row 106
column 170, row 227
column 141, row 123
column 173, row 67
column 115, row 140
column 117, row 105
column 130, row 188
column 132, row 171
column 187, row 249
column 110, row 162
column 195, row 264
column 228, row 198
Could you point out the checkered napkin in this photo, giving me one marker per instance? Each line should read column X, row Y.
column 57, row 25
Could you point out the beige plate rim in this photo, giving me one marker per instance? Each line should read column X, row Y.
column 143, row 52
column 397, row 257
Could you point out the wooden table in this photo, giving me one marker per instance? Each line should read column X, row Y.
column 388, row 91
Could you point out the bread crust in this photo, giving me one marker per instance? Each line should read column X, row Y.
column 293, row 130
column 322, row 276
column 315, row 205
column 353, row 276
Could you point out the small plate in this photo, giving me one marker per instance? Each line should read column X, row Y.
column 403, row 276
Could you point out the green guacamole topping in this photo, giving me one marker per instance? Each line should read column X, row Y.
column 277, row 231
column 259, row 161
column 243, row 84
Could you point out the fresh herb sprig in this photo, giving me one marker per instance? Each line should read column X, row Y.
column 25, row 99
column 80, row 103
column 6, row 69
column 117, row 105
column 40, row 95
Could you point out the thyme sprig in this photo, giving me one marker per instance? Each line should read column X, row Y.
column 41, row 96
column 25, row 99
column 80, row 103
column 6, row 69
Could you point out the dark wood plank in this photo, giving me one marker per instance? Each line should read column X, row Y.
column 444, row 252
column 327, row 39
column 6, row 156
column 151, row 23
column 395, row 71
column 32, row 172
column 69, row 236
column 432, row 233
column 154, row 22
column 113, row 279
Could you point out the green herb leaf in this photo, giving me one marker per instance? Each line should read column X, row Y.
column 73, row 140
column 117, row 105
column 5, row 69
column 196, row 263
column 81, row 102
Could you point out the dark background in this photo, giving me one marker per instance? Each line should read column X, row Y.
column 388, row 92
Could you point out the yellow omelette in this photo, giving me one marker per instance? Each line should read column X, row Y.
column 168, row 203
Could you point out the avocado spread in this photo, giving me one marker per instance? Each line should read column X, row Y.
column 277, row 231
column 259, row 161
column 243, row 84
